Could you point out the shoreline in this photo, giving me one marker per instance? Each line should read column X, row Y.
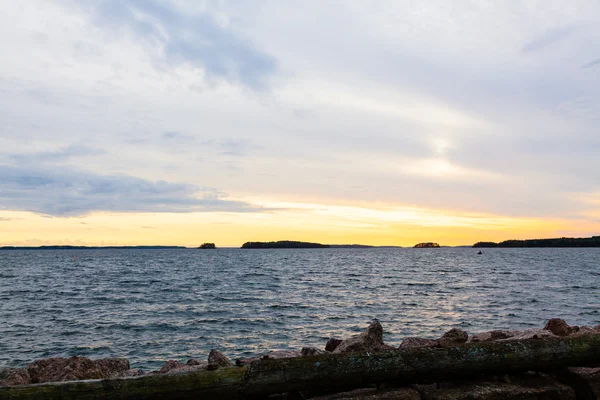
column 370, row 342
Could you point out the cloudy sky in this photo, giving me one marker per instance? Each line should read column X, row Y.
column 380, row 122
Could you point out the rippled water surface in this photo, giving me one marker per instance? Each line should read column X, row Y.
column 154, row 305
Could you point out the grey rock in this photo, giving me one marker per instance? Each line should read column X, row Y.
column 216, row 358
column 370, row 340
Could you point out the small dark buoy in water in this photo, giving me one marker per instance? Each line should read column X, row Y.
column 480, row 252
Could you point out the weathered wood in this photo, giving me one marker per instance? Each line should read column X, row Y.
column 340, row 371
column 219, row 384
column 347, row 371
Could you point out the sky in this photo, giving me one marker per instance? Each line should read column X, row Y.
column 143, row 122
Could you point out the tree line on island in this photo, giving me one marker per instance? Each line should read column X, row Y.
column 593, row 241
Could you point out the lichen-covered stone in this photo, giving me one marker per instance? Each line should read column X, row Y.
column 374, row 394
column 216, row 358
column 585, row 381
column 519, row 388
column 369, row 340
column 14, row 377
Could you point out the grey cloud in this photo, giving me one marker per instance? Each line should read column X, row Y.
column 72, row 192
column 591, row 64
column 195, row 39
column 175, row 135
column 58, row 155
column 550, row 37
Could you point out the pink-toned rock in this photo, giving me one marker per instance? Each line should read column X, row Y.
column 75, row 368
column 216, row 358
column 273, row 355
column 492, row 336
column 559, row 327
column 112, row 367
column 311, row 351
column 332, row 344
column 131, row 372
column 370, row 340
column 411, row 342
column 453, row 337
column 374, row 394
column 586, row 330
column 14, row 377
column 172, row 366
column 532, row 334
column 63, row 369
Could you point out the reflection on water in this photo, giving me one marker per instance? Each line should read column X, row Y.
column 154, row 305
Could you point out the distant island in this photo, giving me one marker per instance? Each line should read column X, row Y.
column 593, row 241
column 426, row 245
column 68, row 247
column 283, row 244
column 207, row 246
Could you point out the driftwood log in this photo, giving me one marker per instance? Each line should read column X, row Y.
column 333, row 371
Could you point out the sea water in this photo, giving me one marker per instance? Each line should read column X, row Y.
column 154, row 305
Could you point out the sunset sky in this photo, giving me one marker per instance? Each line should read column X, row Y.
column 137, row 122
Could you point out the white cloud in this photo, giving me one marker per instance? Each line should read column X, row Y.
column 479, row 105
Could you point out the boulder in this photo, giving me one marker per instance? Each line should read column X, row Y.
column 374, row 394
column 531, row 334
column 518, row 388
column 453, row 337
column 311, row 351
column 14, row 377
column 113, row 367
column 172, row 366
column 332, row 344
column 585, row 381
column 216, row 358
column 492, row 336
column 370, row 340
column 273, row 355
column 411, row 342
column 559, row 327
column 59, row 369
column 586, row 330
column 76, row 368
column 132, row 372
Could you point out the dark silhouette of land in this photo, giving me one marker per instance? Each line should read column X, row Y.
column 67, row 247
column 593, row 241
column 426, row 245
column 207, row 246
column 283, row 244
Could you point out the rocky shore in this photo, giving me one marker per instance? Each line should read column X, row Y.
column 555, row 379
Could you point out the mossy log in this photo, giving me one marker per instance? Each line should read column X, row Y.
column 219, row 384
column 335, row 371
column 416, row 365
